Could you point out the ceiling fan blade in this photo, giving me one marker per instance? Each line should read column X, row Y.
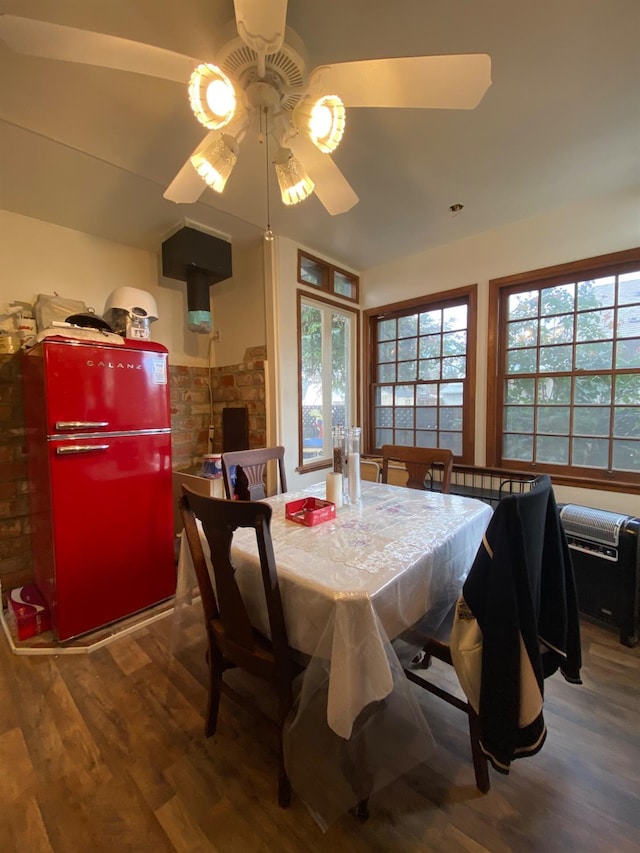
column 53, row 41
column 332, row 188
column 455, row 82
column 261, row 24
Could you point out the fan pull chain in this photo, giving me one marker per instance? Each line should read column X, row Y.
column 268, row 234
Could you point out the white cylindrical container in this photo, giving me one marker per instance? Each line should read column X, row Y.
column 334, row 488
column 353, row 463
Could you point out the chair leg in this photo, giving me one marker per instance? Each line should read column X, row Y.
column 214, row 660
column 480, row 763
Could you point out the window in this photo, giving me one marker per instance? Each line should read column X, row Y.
column 327, row 348
column 422, row 369
column 326, row 276
column 567, row 396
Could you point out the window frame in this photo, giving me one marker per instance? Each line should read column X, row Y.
column 311, row 296
column 430, row 301
column 329, row 271
column 615, row 263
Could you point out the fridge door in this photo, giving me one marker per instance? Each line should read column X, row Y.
column 97, row 388
column 112, row 524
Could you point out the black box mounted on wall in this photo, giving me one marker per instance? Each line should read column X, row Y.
column 198, row 258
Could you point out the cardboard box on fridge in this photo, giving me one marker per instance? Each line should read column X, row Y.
column 27, row 612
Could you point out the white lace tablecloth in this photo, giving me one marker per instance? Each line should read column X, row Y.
column 396, row 555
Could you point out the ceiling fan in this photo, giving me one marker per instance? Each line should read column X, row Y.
column 260, row 82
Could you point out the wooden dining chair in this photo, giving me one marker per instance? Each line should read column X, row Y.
column 250, row 472
column 515, row 623
column 420, row 463
column 232, row 640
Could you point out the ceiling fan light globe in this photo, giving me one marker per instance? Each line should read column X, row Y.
column 212, row 96
column 322, row 120
column 295, row 185
column 214, row 162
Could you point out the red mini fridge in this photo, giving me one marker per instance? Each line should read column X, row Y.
column 98, row 440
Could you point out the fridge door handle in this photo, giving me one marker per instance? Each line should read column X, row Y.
column 66, row 425
column 66, row 449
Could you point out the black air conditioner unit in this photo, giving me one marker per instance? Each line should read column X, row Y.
column 605, row 551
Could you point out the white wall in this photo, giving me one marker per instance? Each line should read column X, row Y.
column 607, row 225
column 38, row 257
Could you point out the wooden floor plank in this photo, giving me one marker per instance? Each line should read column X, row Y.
column 106, row 751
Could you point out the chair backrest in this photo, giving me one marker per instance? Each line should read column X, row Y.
column 250, row 483
column 369, row 470
column 224, row 604
column 419, row 462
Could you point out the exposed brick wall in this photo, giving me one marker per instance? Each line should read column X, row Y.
column 241, row 385
column 236, row 385
column 15, row 538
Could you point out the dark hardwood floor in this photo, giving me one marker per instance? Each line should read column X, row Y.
column 106, row 752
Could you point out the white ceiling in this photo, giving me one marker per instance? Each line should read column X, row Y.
column 93, row 149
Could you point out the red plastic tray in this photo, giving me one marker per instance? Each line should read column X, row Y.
column 310, row 511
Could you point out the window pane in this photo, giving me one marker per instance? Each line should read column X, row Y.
column 555, row 359
column 451, row 440
column 408, row 326
column 387, row 351
column 404, row 395
column 627, row 389
column 407, row 349
column 629, row 288
column 592, row 389
column 430, row 322
column 518, row 419
column 522, row 305
column 451, row 417
column 591, row 420
column 384, row 436
column 312, row 272
column 521, row 361
column 454, row 368
column 386, row 330
column 454, row 343
column 384, row 416
column 520, row 390
column 556, row 330
column 427, row 395
column 454, row 318
column 626, row 455
column 387, row 373
column 595, row 326
column 430, row 346
column 343, row 285
column 554, row 419
column 403, row 417
column 384, row 395
column 522, row 334
column 552, row 449
column 407, row 371
column 554, row 390
column 590, row 453
column 628, row 353
column 426, row 439
column 626, row 422
column 628, row 325
column 518, row 447
column 593, row 356
column 427, row 417
column 557, row 300
column 597, row 293
column 451, row 393
column 404, row 437
column 429, row 369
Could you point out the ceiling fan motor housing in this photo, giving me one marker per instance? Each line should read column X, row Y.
column 200, row 260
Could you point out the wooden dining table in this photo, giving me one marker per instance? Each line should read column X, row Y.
column 349, row 587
